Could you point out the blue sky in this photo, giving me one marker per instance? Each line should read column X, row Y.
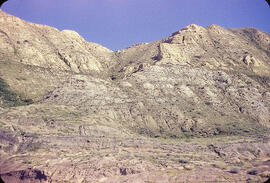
column 117, row 24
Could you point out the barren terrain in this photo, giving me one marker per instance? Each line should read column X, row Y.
column 193, row 107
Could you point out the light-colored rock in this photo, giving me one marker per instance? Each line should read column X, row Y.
column 47, row 47
column 131, row 115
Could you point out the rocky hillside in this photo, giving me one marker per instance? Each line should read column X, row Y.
column 43, row 54
column 243, row 50
column 197, row 101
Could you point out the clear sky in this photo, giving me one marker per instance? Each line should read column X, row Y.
column 117, row 24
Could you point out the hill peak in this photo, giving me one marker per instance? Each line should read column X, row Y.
column 189, row 28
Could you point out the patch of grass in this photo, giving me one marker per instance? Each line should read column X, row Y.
column 220, row 165
column 1, row 124
column 221, row 130
column 173, row 173
column 164, row 134
column 145, row 131
column 55, row 113
column 264, row 80
column 34, row 147
column 240, row 128
column 11, row 99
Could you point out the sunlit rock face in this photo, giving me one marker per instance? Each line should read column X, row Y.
column 193, row 106
column 47, row 47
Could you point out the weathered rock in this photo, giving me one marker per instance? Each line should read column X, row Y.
column 47, row 47
column 130, row 115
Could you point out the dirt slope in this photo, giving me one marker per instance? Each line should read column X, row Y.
column 193, row 106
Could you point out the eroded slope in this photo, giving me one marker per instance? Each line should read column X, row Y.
column 194, row 106
column 44, row 56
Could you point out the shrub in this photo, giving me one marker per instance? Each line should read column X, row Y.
column 234, row 171
column 253, row 172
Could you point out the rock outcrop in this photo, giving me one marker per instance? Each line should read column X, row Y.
column 212, row 47
column 45, row 57
column 47, row 47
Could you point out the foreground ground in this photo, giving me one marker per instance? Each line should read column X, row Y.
column 40, row 150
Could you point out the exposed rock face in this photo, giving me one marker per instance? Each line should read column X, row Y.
column 212, row 47
column 42, row 54
column 130, row 115
column 46, row 47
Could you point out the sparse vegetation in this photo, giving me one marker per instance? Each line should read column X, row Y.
column 234, row 171
column 9, row 98
column 183, row 161
column 253, row 172
column 34, row 147
column 220, row 165
column 1, row 124
column 190, row 106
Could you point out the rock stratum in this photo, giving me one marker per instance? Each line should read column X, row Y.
column 193, row 106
